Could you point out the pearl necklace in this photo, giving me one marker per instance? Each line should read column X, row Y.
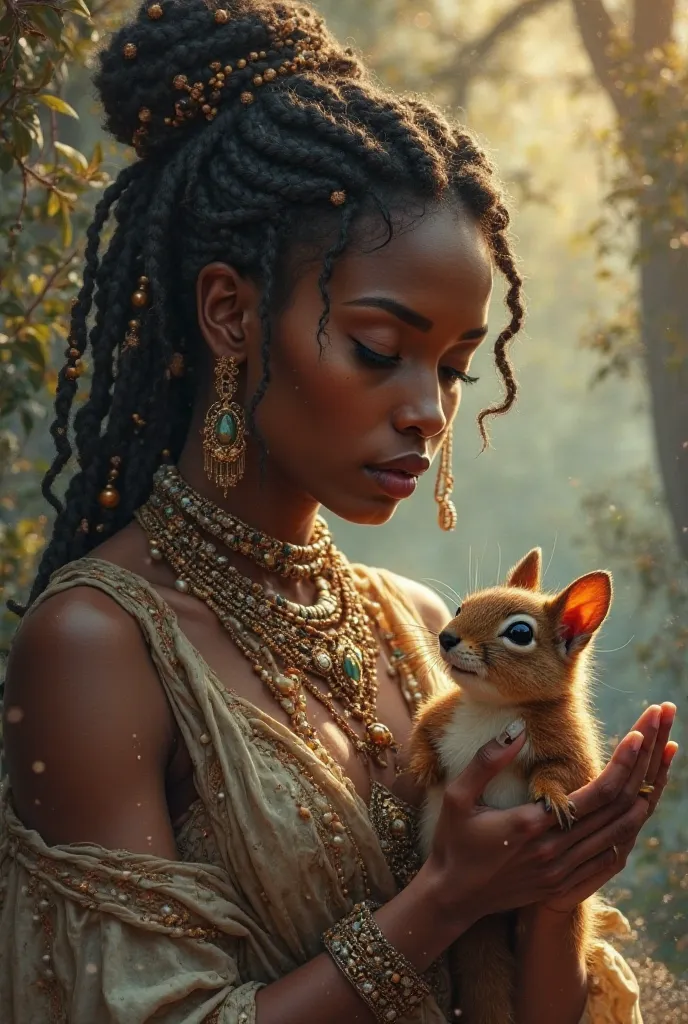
column 285, row 642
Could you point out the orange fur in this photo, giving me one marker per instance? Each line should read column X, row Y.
column 425, row 758
column 546, row 683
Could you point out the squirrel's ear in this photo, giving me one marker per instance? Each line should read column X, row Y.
column 580, row 610
column 526, row 574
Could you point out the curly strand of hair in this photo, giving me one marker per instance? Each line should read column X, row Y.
column 514, row 301
column 348, row 217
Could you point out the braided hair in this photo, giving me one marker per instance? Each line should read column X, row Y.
column 250, row 122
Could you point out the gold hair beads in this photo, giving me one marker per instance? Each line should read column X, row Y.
column 139, row 300
column 202, row 97
column 109, row 496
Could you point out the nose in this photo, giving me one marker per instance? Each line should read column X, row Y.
column 421, row 409
column 448, row 640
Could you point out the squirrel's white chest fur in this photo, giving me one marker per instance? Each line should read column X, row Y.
column 471, row 726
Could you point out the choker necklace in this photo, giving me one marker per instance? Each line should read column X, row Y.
column 300, row 562
column 286, row 642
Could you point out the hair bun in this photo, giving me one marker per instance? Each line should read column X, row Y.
column 179, row 60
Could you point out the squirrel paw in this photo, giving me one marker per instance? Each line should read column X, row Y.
column 560, row 805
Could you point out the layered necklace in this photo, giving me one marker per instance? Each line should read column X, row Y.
column 286, row 643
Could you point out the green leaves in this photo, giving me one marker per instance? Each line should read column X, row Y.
column 47, row 191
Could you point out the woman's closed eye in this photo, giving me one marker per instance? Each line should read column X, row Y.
column 369, row 357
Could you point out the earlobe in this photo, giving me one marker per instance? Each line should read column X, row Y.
column 225, row 301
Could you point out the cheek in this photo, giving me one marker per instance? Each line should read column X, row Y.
column 309, row 387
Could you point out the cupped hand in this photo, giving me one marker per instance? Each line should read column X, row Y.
column 486, row 861
column 610, row 812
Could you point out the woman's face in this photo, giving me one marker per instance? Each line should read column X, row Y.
column 353, row 425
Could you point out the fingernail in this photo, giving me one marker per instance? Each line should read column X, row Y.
column 512, row 732
column 635, row 742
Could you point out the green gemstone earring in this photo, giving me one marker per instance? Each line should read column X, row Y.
column 224, row 435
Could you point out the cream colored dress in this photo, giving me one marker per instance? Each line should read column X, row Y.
column 96, row 936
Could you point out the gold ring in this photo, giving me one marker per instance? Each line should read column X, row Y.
column 647, row 789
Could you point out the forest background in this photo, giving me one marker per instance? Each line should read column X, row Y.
column 584, row 106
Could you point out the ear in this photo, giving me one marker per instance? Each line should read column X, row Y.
column 227, row 305
column 526, row 574
column 581, row 609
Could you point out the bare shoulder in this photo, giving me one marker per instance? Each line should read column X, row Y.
column 431, row 608
column 87, row 726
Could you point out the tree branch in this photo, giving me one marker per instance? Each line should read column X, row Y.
column 478, row 49
column 596, row 28
column 468, row 60
column 653, row 23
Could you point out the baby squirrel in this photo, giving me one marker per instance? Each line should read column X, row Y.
column 513, row 651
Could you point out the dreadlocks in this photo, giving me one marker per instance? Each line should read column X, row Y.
column 249, row 122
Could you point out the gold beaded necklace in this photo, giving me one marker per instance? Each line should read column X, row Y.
column 285, row 642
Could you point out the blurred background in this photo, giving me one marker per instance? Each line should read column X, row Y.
column 584, row 107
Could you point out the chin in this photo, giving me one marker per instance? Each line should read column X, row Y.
column 477, row 688
column 365, row 514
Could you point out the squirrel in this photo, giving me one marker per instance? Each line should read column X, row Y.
column 512, row 651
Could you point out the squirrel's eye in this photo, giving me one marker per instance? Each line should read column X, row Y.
column 519, row 633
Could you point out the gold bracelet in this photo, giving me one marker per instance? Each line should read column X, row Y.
column 383, row 978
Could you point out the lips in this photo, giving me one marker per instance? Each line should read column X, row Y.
column 411, row 465
column 398, row 477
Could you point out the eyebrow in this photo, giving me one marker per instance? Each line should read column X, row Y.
column 410, row 316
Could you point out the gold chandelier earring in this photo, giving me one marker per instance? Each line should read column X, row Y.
column 224, row 432
column 444, row 485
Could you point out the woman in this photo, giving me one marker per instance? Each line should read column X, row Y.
column 206, row 727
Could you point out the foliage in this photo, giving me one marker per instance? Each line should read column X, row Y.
column 644, row 72
column 47, row 192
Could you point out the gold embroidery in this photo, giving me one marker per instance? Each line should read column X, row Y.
column 129, row 886
column 396, row 825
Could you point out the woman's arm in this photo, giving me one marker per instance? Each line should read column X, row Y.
column 415, row 922
column 552, row 980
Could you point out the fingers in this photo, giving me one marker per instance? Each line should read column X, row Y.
column 468, row 787
column 625, row 771
column 668, row 713
column 587, row 879
column 622, row 833
column 662, row 776
column 606, row 864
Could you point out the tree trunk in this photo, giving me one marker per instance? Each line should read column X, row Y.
column 664, row 328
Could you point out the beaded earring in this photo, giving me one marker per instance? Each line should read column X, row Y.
column 224, row 434
column 447, row 516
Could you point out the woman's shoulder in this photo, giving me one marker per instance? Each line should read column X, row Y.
column 428, row 606
column 81, row 694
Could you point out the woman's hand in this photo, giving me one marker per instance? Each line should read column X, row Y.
column 651, row 766
column 485, row 861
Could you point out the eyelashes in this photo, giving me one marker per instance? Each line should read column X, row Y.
column 369, row 357
column 372, row 358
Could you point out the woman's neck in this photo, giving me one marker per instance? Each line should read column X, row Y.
column 263, row 500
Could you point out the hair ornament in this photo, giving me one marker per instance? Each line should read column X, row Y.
column 338, row 197
column 202, row 97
